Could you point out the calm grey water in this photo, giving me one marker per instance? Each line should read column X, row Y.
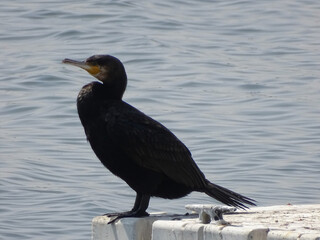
column 237, row 81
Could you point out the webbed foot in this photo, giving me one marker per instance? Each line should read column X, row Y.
column 116, row 216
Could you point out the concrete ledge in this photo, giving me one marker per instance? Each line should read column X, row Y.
column 190, row 230
column 124, row 229
column 298, row 222
column 187, row 230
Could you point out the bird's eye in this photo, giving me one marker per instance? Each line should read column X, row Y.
column 91, row 62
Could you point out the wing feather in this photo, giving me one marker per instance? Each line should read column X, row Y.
column 151, row 145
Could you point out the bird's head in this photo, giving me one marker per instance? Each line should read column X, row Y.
column 105, row 68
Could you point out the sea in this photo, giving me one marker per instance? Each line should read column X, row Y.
column 237, row 81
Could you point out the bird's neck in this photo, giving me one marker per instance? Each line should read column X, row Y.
column 98, row 92
column 92, row 97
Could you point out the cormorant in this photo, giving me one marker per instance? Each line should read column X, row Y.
column 135, row 147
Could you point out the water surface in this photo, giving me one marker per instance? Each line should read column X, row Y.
column 236, row 81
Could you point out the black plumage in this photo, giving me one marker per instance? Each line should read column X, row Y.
column 136, row 148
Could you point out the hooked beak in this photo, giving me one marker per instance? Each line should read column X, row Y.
column 92, row 69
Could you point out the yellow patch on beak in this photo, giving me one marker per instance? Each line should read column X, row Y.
column 93, row 70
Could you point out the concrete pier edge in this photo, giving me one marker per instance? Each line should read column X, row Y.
column 289, row 222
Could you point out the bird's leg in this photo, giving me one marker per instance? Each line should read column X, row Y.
column 143, row 205
column 137, row 202
column 135, row 207
column 139, row 209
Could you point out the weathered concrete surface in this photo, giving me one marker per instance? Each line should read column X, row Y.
column 281, row 220
column 298, row 222
column 124, row 229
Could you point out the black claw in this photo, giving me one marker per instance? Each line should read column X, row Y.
column 113, row 219
column 116, row 216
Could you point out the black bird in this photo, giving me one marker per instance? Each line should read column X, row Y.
column 136, row 148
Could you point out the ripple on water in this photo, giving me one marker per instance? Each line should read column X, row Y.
column 239, row 87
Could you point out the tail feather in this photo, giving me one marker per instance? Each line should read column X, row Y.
column 228, row 197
